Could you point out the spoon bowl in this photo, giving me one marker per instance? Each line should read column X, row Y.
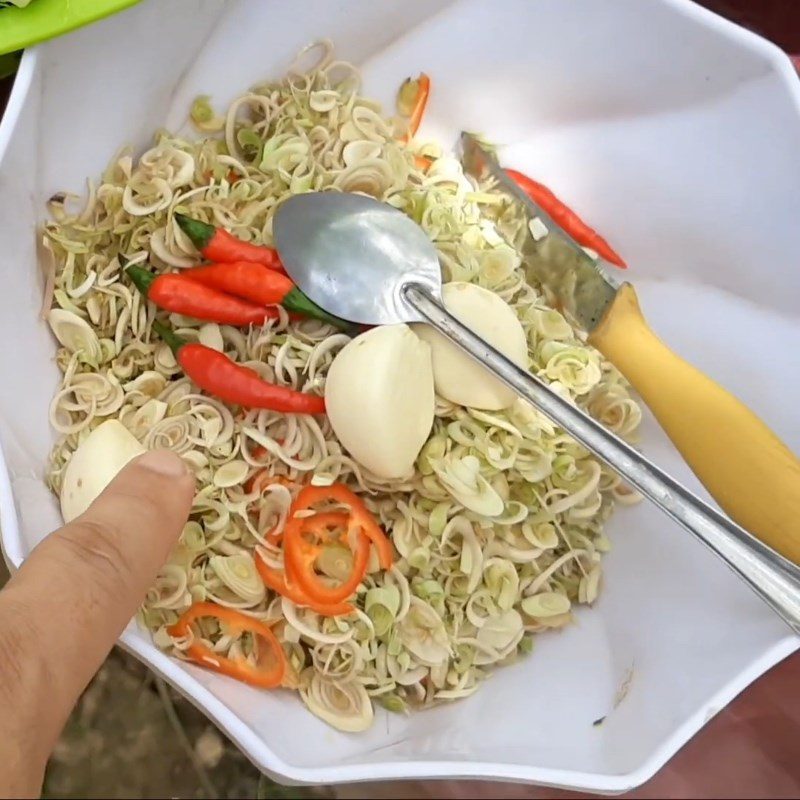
column 354, row 256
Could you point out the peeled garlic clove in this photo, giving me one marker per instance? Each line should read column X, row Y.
column 458, row 378
column 379, row 398
column 96, row 462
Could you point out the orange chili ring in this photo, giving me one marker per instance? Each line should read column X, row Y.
column 265, row 677
column 359, row 514
column 300, row 555
column 276, row 580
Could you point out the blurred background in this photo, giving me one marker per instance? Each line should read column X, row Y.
column 131, row 736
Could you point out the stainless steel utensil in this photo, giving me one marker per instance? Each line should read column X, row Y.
column 368, row 262
column 747, row 469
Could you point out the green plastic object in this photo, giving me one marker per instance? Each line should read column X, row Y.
column 45, row 19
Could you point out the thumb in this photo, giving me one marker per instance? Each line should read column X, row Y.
column 75, row 593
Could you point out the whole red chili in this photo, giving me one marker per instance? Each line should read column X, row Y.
column 566, row 217
column 215, row 373
column 217, row 244
column 252, row 282
column 179, row 295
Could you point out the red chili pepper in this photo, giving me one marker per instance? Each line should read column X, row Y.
column 276, row 580
column 217, row 244
column 178, row 294
column 266, row 673
column 299, row 580
column 412, row 100
column 244, row 279
column 301, row 554
column 359, row 513
column 219, row 376
column 566, row 218
column 252, row 282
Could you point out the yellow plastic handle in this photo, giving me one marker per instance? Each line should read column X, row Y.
column 753, row 476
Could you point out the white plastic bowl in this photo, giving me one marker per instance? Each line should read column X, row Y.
column 674, row 132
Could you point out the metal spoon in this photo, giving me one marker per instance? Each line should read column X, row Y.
column 368, row 262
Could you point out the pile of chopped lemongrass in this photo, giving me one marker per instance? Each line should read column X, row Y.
column 500, row 527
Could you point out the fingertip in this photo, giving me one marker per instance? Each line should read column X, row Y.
column 164, row 462
column 166, row 468
column 150, row 497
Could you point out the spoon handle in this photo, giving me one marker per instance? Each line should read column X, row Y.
column 775, row 579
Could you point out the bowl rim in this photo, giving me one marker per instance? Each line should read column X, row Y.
column 265, row 759
column 255, row 748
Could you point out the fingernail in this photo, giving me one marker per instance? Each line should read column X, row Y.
column 164, row 462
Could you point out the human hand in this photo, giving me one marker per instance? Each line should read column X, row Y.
column 62, row 612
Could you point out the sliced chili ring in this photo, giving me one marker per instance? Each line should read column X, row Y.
column 276, row 580
column 263, row 676
column 359, row 514
column 300, row 555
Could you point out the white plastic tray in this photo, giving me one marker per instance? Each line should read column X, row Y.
column 674, row 132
